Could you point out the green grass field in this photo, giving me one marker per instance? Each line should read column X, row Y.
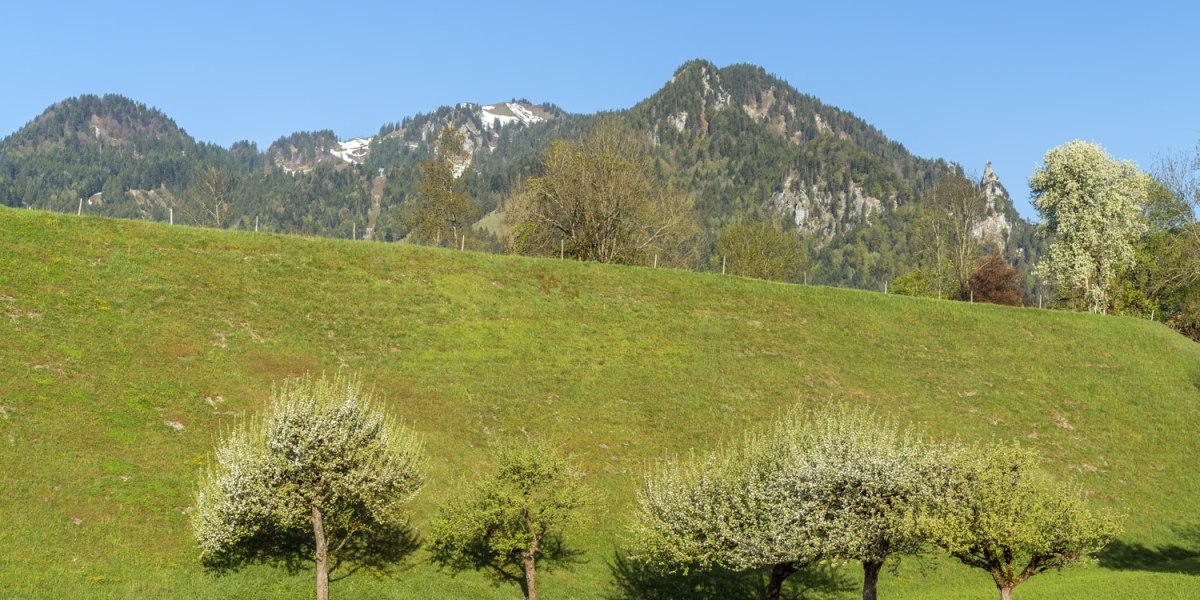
column 114, row 333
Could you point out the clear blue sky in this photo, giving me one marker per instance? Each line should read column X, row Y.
column 971, row 82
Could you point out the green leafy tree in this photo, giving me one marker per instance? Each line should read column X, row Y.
column 762, row 249
column 512, row 520
column 999, row 513
column 927, row 282
column 1164, row 281
column 841, row 485
column 1091, row 205
column 597, row 199
column 444, row 209
column 323, row 477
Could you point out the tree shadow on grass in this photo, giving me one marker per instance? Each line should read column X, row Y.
column 381, row 554
column 1170, row 558
column 381, row 550
column 637, row 581
column 553, row 553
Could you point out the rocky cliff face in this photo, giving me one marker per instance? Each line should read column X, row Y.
column 995, row 227
column 816, row 209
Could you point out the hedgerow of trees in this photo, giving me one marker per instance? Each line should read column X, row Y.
column 323, row 477
column 846, row 485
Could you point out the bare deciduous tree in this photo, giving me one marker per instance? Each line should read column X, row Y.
column 597, row 199
column 209, row 199
column 963, row 207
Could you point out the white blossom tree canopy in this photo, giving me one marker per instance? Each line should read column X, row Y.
column 1091, row 206
column 322, row 477
column 843, row 484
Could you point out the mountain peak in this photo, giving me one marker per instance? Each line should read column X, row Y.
column 990, row 183
column 111, row 121
column 696, row 64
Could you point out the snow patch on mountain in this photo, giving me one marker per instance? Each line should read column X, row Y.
column 352, row 151
column 506, row 113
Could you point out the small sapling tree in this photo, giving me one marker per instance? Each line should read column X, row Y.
column 511, row 520
column 322, row 477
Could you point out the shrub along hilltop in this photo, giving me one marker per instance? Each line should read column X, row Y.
column 129, row 348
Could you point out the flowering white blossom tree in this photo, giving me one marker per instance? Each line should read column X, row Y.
column 323, row 477
column 842, row 485
column 1091, row 205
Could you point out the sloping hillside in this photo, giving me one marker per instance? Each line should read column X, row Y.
column 128, row 347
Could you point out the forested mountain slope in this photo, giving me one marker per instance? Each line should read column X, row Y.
column 740, row 141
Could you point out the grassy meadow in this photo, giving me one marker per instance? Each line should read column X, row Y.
column 128, row 348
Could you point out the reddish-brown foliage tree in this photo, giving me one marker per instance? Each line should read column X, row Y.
column 997, row 282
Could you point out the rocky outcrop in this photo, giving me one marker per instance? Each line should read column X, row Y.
column 817, row 209
column 994, row 228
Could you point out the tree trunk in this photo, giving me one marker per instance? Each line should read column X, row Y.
column 1005, row 593
column 778, row 574
column 530, row 575
column 871, row 579
column 321, row 557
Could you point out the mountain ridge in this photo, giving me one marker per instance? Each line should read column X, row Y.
column 743, row 142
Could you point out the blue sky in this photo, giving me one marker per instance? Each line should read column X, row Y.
column 971, row 82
